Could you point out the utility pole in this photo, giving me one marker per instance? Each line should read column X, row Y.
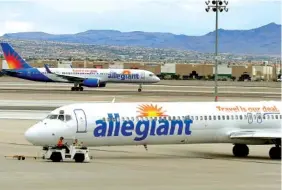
column 216, row 5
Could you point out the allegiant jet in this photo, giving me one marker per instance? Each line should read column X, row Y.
column 145, row 123
column 89, row 77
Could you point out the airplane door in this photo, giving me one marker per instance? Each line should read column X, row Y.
column 81, row 121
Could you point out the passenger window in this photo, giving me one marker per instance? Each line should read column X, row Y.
column 223, row 117
column 210, row 117
column 196, row 117
column 227, row 117
column 192, row 117
column 264, row 117
column 272, row 116
column 218, row 117
column 205, row 117
column 201, row 117
column 236, row 117
column 214, row 117
column 232, row 117
column 280, row 116
column 276, row 116
column 241, row 117
column 268, row 116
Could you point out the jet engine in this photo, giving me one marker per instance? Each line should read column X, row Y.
column 93, row 83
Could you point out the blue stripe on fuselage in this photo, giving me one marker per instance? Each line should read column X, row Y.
column 32, row 74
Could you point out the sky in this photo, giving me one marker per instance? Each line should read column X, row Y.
column 174, row 16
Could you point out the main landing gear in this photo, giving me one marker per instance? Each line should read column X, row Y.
column 242, row 150
column 77, row 87
column 140, row 88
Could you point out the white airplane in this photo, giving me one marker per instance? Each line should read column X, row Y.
column 89, row 77
column 144, row 123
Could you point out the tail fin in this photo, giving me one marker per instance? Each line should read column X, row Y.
column 13, row 59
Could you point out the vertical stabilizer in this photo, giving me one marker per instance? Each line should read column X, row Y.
column 13, row 59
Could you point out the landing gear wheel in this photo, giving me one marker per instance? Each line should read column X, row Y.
column 240, row 150
column 275, row 153
column 139, row 89
column 72, row 88
column 80, row 88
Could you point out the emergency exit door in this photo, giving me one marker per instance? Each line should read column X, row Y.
column 81, row 121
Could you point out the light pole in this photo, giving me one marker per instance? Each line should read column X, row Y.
column 216, row 5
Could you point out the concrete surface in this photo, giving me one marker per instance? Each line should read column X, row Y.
column 176, row 82
column 197, row 167
column 50, row 102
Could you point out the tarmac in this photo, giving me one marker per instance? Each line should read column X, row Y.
column 196, row 167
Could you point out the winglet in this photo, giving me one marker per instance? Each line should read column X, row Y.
column 47, row 69
column 113, row 101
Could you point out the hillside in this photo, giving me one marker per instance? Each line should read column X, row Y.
column 265, row 40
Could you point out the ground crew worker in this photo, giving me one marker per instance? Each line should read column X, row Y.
column 61, row 145
column 60, row 142
column 76, row 143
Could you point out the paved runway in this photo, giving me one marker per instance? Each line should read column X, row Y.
column 197, row 167
column 171, row 88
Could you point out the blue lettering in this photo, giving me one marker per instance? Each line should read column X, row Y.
column 180, row 127
column 140, row 130
column 163, row 127
column 143, row 133
column 114, row 75
column 153, row 128
column 188, row 122
column 127, row 128
column 111, row 125
column 100, row 130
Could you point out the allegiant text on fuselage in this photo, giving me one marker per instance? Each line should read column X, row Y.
column 114, row 75
column 141, row 129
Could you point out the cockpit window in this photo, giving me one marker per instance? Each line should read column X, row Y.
column 68, row 117
column 151, row 75
column 52, row 116
column 60, row 117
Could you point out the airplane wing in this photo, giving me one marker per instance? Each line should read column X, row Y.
column 67, row 77
column 256, row 135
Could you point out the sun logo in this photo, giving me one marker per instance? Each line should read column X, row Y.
column 126, row 72
column 150, row 111
column 13, row 61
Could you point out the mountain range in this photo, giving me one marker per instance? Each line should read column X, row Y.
column 264, row 40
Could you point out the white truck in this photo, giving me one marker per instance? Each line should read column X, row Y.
column 78, row 154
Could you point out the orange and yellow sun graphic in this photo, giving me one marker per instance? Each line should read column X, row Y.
column 13, row 61
column 126, row 72
column 150, row 111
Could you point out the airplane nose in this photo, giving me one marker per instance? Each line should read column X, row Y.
column 30, row 135
column 158, row 79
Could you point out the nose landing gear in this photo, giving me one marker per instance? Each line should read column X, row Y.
column 140, row 88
